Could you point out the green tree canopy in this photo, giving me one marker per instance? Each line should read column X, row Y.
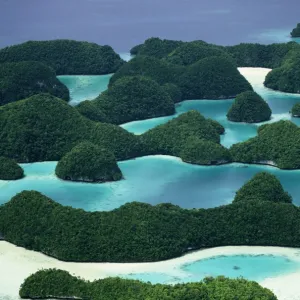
column 23, row 79
column 9, row 169
column 277, row 143
column 132, row 98
column 48, row 283
column 296, row 31
column 263, row 187
column 90, row 163
column 66, row 57
column 249, row 107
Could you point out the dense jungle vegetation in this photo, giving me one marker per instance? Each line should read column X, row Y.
column 9, row 169
column 249, row 107
column 66, row 57
column 58, row 283
column 90, row 163
column 277, row 142
column 129, row 99
column 139, row 232
column 23, row 79
column 44, row 128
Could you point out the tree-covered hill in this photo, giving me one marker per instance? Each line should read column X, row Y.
column 61, row 284
column 189, row 136
column 129, row 99
column 296, row 31
column 139, row 232
column 23, row 79
column 9, row 169
column 249, row 107
column 286, row 78
column 277, row 143
column 244, row 55
column 190, row 53
column 263, row 187
column 90, row 163
column 43, row 128
column 296, row 110
column 66, row 57
column 213, row 77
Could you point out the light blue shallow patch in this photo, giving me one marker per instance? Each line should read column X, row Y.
column 250, row 267
column 152, row 179
column 84, row 87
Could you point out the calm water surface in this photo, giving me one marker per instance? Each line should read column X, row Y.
column 249, row 267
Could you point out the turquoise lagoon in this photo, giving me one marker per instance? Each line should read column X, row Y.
column 84, row 87
column 152, row 179
column 252, row 267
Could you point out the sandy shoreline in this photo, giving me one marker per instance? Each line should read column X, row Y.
column 17, row 264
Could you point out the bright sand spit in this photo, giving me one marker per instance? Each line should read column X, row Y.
column 18, row 263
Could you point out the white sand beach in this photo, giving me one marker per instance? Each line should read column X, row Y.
column 17, row 264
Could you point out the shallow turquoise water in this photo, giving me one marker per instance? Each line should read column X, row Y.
column 280, row 104
column 152, row 179
column 84, row 87
column 250, row 267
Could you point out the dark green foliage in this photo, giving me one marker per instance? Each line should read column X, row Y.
column 66, row 56
column 58, row 283
column 257, row 55
column 91, row 111
column 286, row 78
column 244, row 55
column 170, row 138
column 189, row 53
column 138, row 232
column 220, row 129
column 134, row 98
column 296, row 110
column 296, row 31
column 204, row 152
column 212, row 78
column 249, row 107
column 263, row 187
column 136, row 49
column 9, row 169
column 24, row 79
column 156, row 47
column 173, row 91
column 152, row 67
column 278, row 142
column 43, row 128
column 88, row 162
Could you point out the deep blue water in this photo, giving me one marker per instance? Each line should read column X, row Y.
column 124, row 23
column 249, row 267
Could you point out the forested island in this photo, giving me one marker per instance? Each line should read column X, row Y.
column 66, row 57
column 140, row 232
column 9, row 169
column 45, row 128
column 296, row 31
column 131, row 98
column 296, row 110
column 276, row 144
column 64, row 285
column 20, row 80
column 280, row 57
column 214, row 77
column 249, row 107
column 89, row 163
column 190, row 137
